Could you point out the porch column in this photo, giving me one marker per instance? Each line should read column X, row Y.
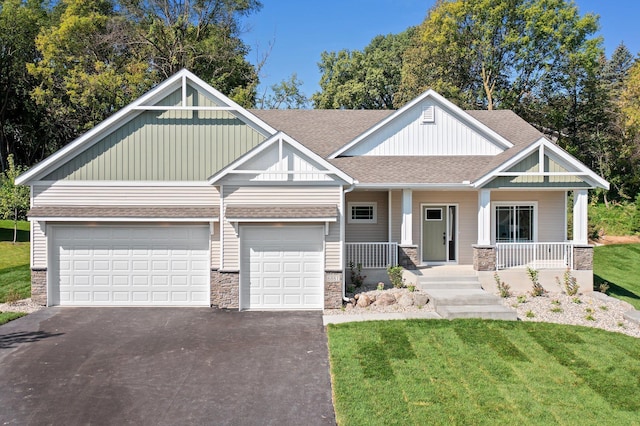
column 406, row 229
column 484, row 217
column 580, row 216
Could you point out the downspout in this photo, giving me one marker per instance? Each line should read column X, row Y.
column 342, row 238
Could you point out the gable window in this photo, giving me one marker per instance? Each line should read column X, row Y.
column 362, row 213
column 515, row 223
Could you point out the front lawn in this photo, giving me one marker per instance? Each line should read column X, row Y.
column 482, row 372
column 15, row 275
column 619, row 266
column 5, row 317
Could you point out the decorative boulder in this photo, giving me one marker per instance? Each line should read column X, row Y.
column 405, row 300
column 420, row 299
column 364, row 301
column 385, row 299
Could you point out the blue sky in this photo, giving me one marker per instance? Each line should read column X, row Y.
column 301, row 30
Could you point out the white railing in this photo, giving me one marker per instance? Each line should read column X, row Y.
column 371, row 255
column 534, row 255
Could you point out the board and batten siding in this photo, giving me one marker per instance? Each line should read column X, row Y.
column 249, row 195
column 368, row 232
column 409, row 135
column 121, row 195
column 531, row 164
column 164, row 146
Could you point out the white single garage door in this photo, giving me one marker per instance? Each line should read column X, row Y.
column 131, row 265
column 282, row 267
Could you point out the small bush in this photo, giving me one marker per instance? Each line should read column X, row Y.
column 357, row 279
column 556, row 310
column 569, row 283
column 590, row 318
column 395, row 275
column 530, row 314
column 503, row 288
column 411, row 288
column 380, row 286
column 12, row 296
column 537, row 289
column 603, row 287
column 604, row 308
column 555, row 302
column 576, row 300
column 522, row 298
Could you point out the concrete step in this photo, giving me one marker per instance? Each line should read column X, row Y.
column 457, row 297
column 449, row 285
column 448, row 278
column 496, row 312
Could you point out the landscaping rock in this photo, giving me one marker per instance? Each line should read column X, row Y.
column 385, row 299
column 420, row 299
column 405, row 300
column 364, row 301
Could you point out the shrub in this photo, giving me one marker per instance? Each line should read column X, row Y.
column 380, row 286
column 12, row 296
column 603, row 287
column 569, row 283
column 411, row 288
column 395, row 275
column 537, row 289
column 530, row 314
column 522, row 298
column 357, row 279
column 503, row 288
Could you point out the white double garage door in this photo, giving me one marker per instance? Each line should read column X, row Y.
column 153, row 265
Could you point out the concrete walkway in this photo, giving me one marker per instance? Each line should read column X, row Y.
column 339, row 319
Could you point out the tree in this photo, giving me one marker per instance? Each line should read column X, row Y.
column 20, row 117
column 367, row 79
column 630, row 98
column 285, row 94
column 200, row 35
column 493, row 53
column 14, row 201
column 88, row 69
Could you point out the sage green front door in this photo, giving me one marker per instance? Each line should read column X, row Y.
column 438, row 233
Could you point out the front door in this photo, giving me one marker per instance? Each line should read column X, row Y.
column 438, row 233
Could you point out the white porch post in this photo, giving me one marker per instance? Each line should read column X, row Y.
column 407, row 230
column 580, row 216
column 484, row 217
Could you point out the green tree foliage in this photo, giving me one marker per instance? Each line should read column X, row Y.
column 20, row 118
column 200, row 35
column 367, row 79
column 285, row 95
column 494, row 53
column 87, row 69
column 14, row 199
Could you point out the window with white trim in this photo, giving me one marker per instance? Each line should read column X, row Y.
column 362, row 212
column 515, row 223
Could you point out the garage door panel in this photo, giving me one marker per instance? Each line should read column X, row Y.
column 132, row 265
column 282, row 267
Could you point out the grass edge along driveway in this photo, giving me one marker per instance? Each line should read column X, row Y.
column 482, row 372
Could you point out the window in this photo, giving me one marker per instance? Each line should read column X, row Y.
column 515, row 223
column 432, row 214
column 363, row 213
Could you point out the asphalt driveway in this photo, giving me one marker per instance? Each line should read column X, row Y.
column 164, row 366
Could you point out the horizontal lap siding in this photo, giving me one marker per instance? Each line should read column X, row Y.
column 38, row 246
column 467, row 218
column 368, row 232
column 82, row 195
column 281, row 195
column 551, row 211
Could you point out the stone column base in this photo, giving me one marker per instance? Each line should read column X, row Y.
column 484, row 258
column 332, row 289
column 225, row 289
column 39, row 286
column 583, row 258
column 408, row 257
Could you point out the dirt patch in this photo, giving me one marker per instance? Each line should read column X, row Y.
column 613, row 239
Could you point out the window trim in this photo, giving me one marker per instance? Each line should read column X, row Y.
column 351, row 205
column 495, row 204
column 440, row 209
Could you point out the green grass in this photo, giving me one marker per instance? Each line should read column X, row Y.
column 482, row 373
column 5, row 317
column 619, row 265
column 15, row 275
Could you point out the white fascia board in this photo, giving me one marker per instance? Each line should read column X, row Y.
column 419, row 186
column 127, row 183
column 276, row 219
column 330, row 168
column 583, row 170
column 124, row 219
column 442, row 101
column 131, row 111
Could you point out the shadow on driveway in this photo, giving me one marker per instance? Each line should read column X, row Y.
column 165, row 366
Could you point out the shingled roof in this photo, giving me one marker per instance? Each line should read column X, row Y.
column 325, row 131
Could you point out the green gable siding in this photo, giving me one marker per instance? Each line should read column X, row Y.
column 164, row 146
column 530, row 165
column 194, row 98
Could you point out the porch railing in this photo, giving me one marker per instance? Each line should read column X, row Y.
column 534, row 255
column 372, row 255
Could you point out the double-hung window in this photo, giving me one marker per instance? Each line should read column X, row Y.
column 515, row 223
